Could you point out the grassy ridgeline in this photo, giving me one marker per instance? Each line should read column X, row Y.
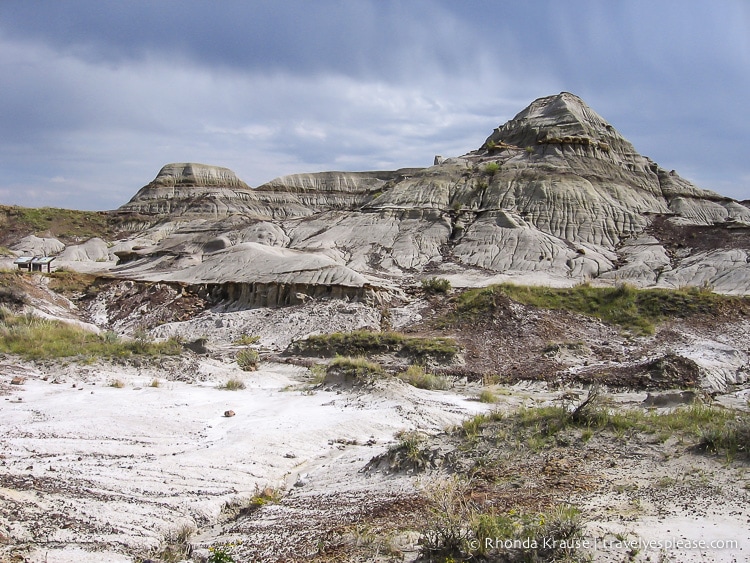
column 636, row 310
column 366, row 343
column 37, row 339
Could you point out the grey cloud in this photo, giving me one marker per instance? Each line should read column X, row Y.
column 103, row 94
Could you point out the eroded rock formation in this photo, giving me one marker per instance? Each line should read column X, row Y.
column 555, row 195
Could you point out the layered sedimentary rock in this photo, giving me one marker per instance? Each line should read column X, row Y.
column 556, row 193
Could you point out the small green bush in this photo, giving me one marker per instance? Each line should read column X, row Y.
column 220, row 554
column 267, row 495
column 248, row 359
column 436, row 285
column 247, row 340
column 548, row 536
column 491, row 168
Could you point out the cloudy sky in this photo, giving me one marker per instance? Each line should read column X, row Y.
column 96, row 96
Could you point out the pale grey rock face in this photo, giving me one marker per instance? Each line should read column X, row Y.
column 36, row 246
column 92, row 250
column 554, row 192
column 724, row 270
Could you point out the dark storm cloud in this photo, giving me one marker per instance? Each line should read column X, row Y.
column 96, row 96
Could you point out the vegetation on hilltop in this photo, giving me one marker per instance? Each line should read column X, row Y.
column 636, row 310
column 65, row 224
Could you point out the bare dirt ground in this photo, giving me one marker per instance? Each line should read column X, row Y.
column 92, row 472
column 136, row 460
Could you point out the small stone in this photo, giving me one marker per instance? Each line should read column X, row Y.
column 17, row 380
column 228, row 413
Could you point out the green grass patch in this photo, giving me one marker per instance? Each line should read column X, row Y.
column 709, row 427
column 71, row 283
column 731, row 438
column 233, row 384
column 353, row 370
column 638, row 311
column 487, row 396
column 66, row 224
column 459, row 529
column 417, row 376
column 364, row 343
column 33, row 338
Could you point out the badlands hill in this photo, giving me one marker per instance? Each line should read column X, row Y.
column 554, row 196
column 212, row 362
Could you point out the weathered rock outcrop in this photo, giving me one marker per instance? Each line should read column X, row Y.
column 556, row 193
column 199, row 190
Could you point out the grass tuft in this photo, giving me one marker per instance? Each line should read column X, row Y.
column 233, row 384
column 487, row 396
column 248, row 359
column 416, row 376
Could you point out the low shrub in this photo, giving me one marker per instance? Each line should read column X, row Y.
column 458, row 530
column 262, row 497
column 554, row 535
column 410, row 452
column 220, row 554
column 436, row 285
column 731, row 438
column 247, row 340
column 248, row 359
column 491, row 168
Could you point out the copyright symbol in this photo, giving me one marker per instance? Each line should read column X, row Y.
column 473, row 544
